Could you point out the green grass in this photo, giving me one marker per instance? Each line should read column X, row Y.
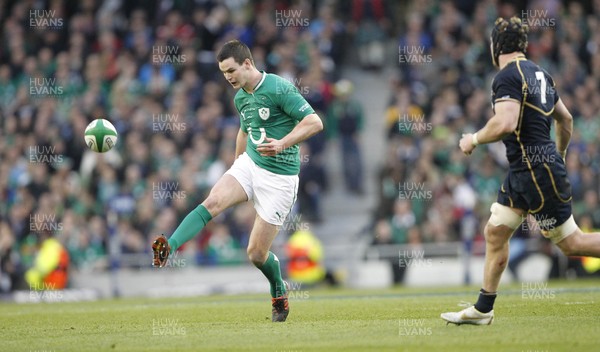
column 566, row 317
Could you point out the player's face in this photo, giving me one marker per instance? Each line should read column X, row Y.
column 236, row 74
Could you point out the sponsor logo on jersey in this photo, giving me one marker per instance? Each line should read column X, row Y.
column 304, row 107
column 263, row 135
column 547, row 223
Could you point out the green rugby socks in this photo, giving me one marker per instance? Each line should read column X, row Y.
column 195, row 221
column 189, row 227
column 272, row 271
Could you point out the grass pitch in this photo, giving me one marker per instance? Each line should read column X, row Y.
column 559, row 316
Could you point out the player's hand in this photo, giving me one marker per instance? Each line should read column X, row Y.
column 466, row 143
column 272, row 147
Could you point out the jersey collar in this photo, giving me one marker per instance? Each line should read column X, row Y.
column 264, row 75
column 517, row 58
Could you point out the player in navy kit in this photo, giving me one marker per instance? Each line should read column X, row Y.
column 525, row 103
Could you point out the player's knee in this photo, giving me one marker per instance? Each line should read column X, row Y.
column 496, row 236
column 257, row 256
column 214, row 203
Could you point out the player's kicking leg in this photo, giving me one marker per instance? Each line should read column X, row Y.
column 579, row 243
column 261, row 238
column 498, row 230
column 225, row 193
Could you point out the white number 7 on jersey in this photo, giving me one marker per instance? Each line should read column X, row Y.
column 539, row 75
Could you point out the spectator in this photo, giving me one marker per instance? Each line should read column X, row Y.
column 305, row 259
column 50, row 269
column 313, row 181
column 345, row 120
column 369, row 22
column 402, row 221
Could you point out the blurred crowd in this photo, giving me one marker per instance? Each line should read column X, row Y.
column 443, row 89
column 149, row 67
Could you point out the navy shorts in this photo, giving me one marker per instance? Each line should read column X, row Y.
column 544, row 191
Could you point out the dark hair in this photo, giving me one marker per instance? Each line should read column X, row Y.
column 509, row 36
column 235, row 49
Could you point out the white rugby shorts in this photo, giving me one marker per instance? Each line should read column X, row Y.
column 273, row 194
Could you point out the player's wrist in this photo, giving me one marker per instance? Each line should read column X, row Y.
column 563, row 153
column 474, row 139
column 284, row 144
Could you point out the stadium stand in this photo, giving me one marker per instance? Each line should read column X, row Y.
column 151, row 71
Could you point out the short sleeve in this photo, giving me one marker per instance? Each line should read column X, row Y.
column 507, row 86
column 243, row 126
column 292, row 102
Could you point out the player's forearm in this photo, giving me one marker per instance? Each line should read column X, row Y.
column 240, row 143
column 564, row 130
column 564, row 126
column 308, row 127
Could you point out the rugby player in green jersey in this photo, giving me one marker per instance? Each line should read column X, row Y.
column 274, row 118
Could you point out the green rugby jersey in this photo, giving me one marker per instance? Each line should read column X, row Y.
column 273, row 110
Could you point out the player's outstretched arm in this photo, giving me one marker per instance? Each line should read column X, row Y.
column 308, row 127
column 240, row 143
column 564, row 127
column 503, row 123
